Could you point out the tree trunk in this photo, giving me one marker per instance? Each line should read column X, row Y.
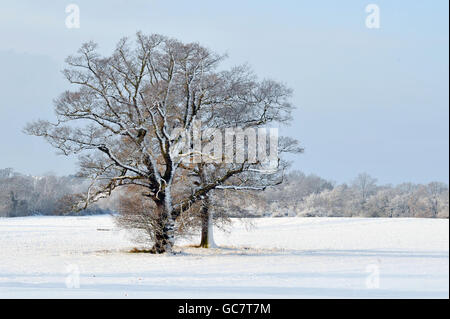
column 164, row 232
column 207, row 240
column 15, row 202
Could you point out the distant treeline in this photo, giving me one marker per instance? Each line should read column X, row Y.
column 299, row 195
column 24, row 195
column 309, row 195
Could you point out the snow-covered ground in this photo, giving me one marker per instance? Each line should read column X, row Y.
column 40, row 257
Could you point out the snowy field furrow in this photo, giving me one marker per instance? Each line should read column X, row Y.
column 87, row 257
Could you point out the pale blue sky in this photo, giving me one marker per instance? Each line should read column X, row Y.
column 373, row 100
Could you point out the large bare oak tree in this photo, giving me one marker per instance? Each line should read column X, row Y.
column 124, row 114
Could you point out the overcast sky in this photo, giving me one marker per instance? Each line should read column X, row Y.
column 369, row 100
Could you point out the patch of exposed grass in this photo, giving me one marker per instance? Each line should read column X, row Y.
column 192, row 246
column 141, row 251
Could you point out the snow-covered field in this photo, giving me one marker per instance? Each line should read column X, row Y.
column 40, row 257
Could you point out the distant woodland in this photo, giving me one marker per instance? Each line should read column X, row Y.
column 299, row 195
